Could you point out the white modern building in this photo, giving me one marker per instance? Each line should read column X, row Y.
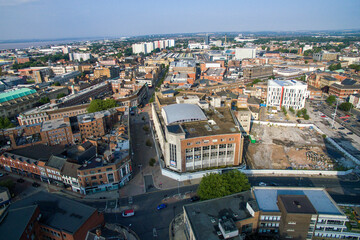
column 79, row 56
column 286, row 93
column 241, row 53
column 148, row 47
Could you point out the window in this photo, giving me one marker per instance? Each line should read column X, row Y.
column 188, row 144
column 206, row 141
column 290, row 230
column 206, row 148
column 198, row 143
column 93, row 178
column 214, row 140
column 292, row 223
column 109, row 169
column 110, row 177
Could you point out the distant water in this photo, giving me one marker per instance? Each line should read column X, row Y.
column 21, row 45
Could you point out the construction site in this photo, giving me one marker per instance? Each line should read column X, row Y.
column 279, row 147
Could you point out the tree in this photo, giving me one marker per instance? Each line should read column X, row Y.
column 8, row 184
column 346, row 106
column 215, row 185
column 100, row 105
column 355, row 66
column 291, row 109
column 152, row 162
column 148, row 143
column 283, row 109
column 128, row 52
column 334, row 67
column 56, row 84
column 60, row 95
column 331, row 99
column 44, row 100
column 5, row 123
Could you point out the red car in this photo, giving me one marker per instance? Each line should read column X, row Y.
column 323, row 116
column 347, row 115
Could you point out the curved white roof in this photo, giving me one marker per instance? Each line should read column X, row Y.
column 176, row 113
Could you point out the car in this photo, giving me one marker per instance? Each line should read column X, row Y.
column 194, row 199
column 20, row 180
column 274, row 184
column 347, row 120
column 347, row 115
column 128, row 213
column 1, row 174
column 35, row 184
column 262, row 184
column 341, row 128
column 323, row 116
column 358, row 120
column 350, row 133
column 353, row 125
column 161, row 206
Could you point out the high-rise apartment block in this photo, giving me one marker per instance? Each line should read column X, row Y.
column 148, row 47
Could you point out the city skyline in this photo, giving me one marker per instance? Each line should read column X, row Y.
column 40, row 19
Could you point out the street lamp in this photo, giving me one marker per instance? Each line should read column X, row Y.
column 337, row 102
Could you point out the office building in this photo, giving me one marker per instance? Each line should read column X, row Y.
column 192, row 139
column 241, row 53
column 268, row 213
column 252, row 72
column 325, row 56
column 286, row 93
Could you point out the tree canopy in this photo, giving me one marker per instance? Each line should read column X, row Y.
column 5, row 123
column 334, row 67
column 100, row 105
column 346, row 106
column 215, row 185
column 331, row 99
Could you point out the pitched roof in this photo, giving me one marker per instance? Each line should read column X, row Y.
column 14, row 221
column 58, row 212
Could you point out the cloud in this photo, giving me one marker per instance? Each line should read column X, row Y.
column 15, row 2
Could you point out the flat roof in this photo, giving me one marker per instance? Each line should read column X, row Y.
column 297, row 204
column 266, row 198
column 285, row 83
column 204, row 216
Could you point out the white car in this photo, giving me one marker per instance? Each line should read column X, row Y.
column 128, row 213
column 262, row 184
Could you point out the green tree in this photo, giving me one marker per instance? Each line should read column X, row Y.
column 60, row 95
column 346, row 106
column 128, row 52
column 10, row 184
column 334, row 67
column 331, row 99
column 355, row 66
column 5, row 123
column 44, row 100
column 100, row 105
column 219, row 185
column 283, row 109
column 291, row 109
column 56, row 84
column 148, row 143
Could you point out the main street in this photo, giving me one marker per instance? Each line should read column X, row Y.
column 147, row 217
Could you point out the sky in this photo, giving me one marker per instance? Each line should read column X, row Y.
column 53, row 19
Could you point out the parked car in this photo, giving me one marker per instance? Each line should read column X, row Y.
column 20, row 180
column 323, row 116
column 350, row 133
column 341, row 128
column 35, row 184
column 347, row 115
column 1, row 174
column 161, row 206
column 353, row 125
column 274, row 184
column 128, row 213
column 194, row 199
column 262, row 184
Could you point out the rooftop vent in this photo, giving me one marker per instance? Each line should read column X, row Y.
column 208, row 128
column 297, row 204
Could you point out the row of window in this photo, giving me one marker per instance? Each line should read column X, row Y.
column 270, row 218
column 214, row 140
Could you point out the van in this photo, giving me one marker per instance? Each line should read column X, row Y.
column 128, row 213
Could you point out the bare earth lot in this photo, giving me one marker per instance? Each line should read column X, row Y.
column 291, row 147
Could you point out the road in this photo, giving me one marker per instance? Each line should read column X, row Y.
column 147, row 217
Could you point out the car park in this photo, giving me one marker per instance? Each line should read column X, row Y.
column 161, row 206
column 128, row 213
